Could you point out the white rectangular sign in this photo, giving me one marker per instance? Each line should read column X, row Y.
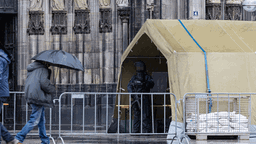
column 77, row 96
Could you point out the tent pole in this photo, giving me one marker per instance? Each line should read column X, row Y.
column 206, row 65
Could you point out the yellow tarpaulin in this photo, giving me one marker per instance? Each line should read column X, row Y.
column 230, row 48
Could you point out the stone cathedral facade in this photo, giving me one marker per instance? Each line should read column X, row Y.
column 96, row 31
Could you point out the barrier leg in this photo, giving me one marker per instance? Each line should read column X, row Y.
column 52, row 139
column 60, row 139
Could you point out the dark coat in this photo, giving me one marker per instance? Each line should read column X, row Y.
column 4, row 74
column 137, row 84
column 38, row 89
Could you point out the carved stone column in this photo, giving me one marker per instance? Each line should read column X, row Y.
column 124, row 13
column 150, row 8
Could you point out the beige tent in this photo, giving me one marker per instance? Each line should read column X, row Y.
column 230, row 48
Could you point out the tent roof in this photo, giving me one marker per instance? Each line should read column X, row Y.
column 213, row 35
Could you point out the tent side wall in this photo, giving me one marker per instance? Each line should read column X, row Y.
column 186, row 74
column 228, row 73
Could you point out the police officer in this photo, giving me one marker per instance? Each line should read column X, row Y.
column 141, row 83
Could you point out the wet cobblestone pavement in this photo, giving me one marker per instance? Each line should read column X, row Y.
column 107, row 139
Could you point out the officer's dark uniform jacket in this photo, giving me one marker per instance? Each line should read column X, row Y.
column 141, row 83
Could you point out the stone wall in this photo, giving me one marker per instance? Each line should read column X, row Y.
column 100, row 52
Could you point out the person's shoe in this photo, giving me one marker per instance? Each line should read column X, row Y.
column 15, row 141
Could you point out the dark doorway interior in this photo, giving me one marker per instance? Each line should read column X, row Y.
column 8, row 40
column 161, row 86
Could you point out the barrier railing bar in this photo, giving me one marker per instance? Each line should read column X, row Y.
column 50, row 122
column 206, row 110
column 60, row 113
column 164, row 111
column 228, row 113
column 95, row 111
column 107, row 114
column 26, row 112
column 239, row 112
column 195, row 116
column 2, row 114
column 141, row 112
column 71, row 113
column 118, row 110
column 152, row 110
column 14, row 117
column 218, row 112
column 83, row 113
column 130, row 114
column 249, row 112
column 175, row 114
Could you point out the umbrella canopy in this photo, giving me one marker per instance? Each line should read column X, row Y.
column 59, row 58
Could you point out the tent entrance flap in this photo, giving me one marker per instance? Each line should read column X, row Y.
column 206, row 65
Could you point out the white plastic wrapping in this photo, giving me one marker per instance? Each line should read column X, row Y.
column 223, row 122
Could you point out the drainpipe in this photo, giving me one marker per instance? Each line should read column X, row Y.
column 206, row 65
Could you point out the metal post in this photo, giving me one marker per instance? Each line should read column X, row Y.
column 95, row 118
column 26, row 112
column 130, row 114
column 60, row 114
column 152, row 109
column 83, row 113
column 107, row 115
column 218, row 112
column 141, row 112
column 228, row 113
column 118, row 118
column 206, row 106
column 50, row 122
column 14, row 117
column 249, row 111
column 71, row 114
column 2, row 114
column 239, row 111
column 164, row 111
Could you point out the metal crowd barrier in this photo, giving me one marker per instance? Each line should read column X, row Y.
column 72, row 96
column 14, row 131
column 216, row 114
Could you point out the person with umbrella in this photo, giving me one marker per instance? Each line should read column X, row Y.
column 5, row 60
column 38, row 88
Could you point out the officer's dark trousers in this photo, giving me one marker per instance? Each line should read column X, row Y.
column 146, row 116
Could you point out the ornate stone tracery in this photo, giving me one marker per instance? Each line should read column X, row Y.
column 36, row 23
column 233, row 9
column 59, row 22
column 124, row 14
column 82, row 22
column 105, row 23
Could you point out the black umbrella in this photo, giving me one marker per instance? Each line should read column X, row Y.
column 59, row 58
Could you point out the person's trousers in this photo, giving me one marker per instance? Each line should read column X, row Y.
column 4, row 132
column 146, row 117
column 37, row 117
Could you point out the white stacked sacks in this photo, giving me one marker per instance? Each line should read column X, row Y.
column 222, row 122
